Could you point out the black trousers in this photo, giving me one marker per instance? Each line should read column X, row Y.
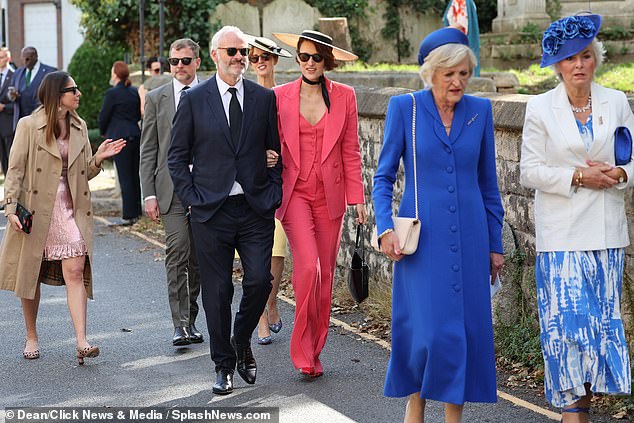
column 5, row 148
column 127, row 162
column 234, row 226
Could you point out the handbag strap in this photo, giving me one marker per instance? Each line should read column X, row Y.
column 359, row 240
column 414, row 150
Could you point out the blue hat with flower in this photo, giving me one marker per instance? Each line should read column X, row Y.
column 567, row 37
column 439, row 38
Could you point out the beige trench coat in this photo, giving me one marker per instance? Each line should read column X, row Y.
column 32, row 179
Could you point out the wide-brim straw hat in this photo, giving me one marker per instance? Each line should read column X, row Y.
column 268, row 45
column 316, row 37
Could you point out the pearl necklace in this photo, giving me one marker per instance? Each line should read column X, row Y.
column 584, row 108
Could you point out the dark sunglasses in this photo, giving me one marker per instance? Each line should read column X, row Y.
column 305, row 57
column 174, row 60
column 256, row 58
column 157, row 70
column 69, row 90
column 232, row 51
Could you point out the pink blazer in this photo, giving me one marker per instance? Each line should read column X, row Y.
column 340, row 156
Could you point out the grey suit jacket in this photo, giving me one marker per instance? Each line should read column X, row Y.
column 155, row 142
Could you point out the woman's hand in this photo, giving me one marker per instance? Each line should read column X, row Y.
column 497, row 263
column 271, row 158
column 596, row 175
column 15, row 222
column 107, row 149
column 362, row 214
column 391, row 246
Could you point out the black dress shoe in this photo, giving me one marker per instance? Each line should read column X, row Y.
column 195, row 337
column 224, row 382
column 246, row 366
column 181, row 336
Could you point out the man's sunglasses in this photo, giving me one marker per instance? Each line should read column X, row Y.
column 174, row 60
column 73, row 90
column 256, row 58
column 232, row 51
column 305, row 57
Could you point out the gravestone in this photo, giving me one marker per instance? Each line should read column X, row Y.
column 242, row 15
column 513, row 15
column 337, row 28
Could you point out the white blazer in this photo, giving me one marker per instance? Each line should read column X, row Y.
column 552, row 148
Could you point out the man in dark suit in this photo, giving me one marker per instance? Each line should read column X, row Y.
column 27, row 80
column 6, row 109
column 181, row 266
column 226, row 124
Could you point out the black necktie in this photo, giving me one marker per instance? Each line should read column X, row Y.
column 235, row 116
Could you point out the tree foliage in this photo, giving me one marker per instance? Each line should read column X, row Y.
column 90, row 67
column 115, row 23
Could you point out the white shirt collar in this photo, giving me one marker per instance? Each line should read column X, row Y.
column 223, row 87
column 35, row 69
column 178, row 86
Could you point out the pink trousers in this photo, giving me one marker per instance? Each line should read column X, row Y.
column 314, row 242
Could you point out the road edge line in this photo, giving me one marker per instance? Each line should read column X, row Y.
column 368, row 337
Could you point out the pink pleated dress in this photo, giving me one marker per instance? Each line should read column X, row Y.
column 64, row 239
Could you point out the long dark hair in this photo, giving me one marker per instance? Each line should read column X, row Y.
column 49, row 94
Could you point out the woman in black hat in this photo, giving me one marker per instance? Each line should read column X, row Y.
column 576, row 154
column 321, row 175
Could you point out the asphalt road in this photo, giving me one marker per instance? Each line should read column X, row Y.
column 138, row 366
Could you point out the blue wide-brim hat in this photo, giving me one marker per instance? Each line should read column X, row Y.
column 567, row 37
column 439, row 38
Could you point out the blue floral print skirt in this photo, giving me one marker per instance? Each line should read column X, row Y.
column 582, row 336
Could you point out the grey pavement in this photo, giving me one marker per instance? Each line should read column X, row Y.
column 138, row 366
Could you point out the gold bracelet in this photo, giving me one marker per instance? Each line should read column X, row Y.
column 385, row 232
column 578, row 179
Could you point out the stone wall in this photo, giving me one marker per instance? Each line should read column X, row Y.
column 508, row 114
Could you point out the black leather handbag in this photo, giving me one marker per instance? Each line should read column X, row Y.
column 359, row 273
column 25, row 217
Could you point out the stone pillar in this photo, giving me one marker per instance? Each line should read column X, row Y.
column 513, row 15
column 337, row 28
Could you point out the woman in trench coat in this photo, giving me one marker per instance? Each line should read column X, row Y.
column 50, row 164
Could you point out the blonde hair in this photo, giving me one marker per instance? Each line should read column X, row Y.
column 446, row 56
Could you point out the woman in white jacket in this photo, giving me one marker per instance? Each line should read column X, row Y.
column 568, row 157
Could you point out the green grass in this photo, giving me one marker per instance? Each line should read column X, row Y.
column 359, row 66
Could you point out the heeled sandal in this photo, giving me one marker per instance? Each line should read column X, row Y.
column 87, row 352
column 30, row 355
column 575, row 410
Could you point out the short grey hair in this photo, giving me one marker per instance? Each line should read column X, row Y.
column 186, row 43
column 446, row 56
column 226, row 30
column 598, row 51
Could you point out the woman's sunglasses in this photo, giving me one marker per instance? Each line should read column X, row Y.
column 174, row 60
column 232, row 51
column 256, row 58
column 73, row 90
column 305, row 57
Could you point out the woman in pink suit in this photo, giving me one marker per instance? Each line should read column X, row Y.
column 317, row 121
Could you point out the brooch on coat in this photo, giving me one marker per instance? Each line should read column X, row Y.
column 472, row 119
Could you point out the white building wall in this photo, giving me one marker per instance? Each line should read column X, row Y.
column 71, row 35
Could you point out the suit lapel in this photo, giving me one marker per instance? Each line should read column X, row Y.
column 7, row 80
column 335, row 120
column 600, row 120
column 567, row 123
column 215, row 104
column 248, row 107
column 41, row 140
column 290, row 123
column 430, row 107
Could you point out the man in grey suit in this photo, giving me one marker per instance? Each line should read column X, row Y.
column 183, row 284
column 6, row 109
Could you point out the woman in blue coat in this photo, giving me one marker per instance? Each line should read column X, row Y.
column 442, row 335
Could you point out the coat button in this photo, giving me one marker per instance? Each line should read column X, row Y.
column 453, row 248
column 448, row 150
column 453, row 228
column 452, row 209
column 82, row 172
column 39, row 149
column 39, row 169
column 85, row 192
column 34, row 191
column 456, row 287
column 87, row 213
column 449, row 169
column 450, row 188
column 336, row 164
column 455, row 267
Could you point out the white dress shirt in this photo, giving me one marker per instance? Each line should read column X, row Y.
column 225, row 95
column 34, row 71
column 178, row 89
